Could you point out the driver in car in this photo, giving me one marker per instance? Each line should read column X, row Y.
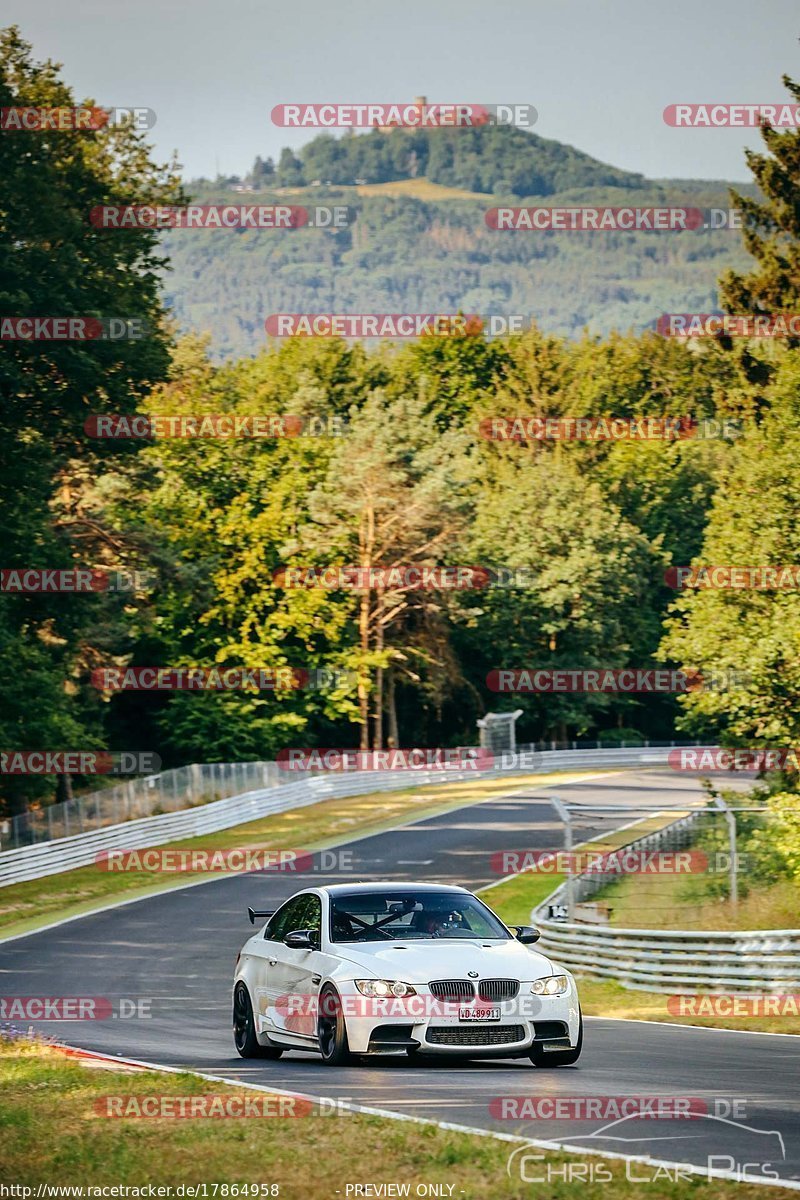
column 440, row 923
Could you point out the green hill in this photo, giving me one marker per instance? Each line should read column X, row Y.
column 420, row 242
column 489, row 159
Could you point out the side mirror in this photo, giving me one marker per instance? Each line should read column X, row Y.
column 302, row 939
column 527, row 934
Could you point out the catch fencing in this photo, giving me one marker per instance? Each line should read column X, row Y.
column 669, row 960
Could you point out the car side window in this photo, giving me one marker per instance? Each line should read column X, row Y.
column 284, row 920
column 311, row 915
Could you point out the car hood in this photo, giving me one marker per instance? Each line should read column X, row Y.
column 419, row 962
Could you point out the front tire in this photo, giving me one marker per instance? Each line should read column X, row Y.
column 244, row 1028
column 331, row 1029
column 559, row 1058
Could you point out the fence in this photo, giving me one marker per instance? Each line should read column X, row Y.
column 62, row 854
column 173, row 791
column 670, row 960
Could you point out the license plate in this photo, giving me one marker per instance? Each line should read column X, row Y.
column 478, row 1014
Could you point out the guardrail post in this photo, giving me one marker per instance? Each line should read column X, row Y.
column 733, row 872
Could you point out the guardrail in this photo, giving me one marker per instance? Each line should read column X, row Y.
column 670, row 960
column 676, row 960
column 79, row 850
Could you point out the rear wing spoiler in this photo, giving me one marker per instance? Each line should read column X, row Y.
column 253, row 913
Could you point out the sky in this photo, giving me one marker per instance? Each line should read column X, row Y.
column 599, row 72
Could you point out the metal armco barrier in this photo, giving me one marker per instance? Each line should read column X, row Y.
column 80, row 850
column 676, row 960
column 671, row 960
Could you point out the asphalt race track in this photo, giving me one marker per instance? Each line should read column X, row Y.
column 178, row 951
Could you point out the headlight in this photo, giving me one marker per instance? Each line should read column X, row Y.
column 553, row 985
column 384, row 987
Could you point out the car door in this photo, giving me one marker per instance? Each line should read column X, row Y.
column 270, row 981
column 299, row 971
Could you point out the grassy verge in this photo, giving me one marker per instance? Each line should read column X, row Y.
column 607, row 998
column 52, row 1135
column 514, row 898
column 26, row 906
column 683, row 902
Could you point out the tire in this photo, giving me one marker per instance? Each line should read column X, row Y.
column 559, row 1058
column 244, row 1028
column 331, row 1029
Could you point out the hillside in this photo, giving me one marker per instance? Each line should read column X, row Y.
column 490, row 159
column 420, row 242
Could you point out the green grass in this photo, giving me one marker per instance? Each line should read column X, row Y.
column 51, row 1133
column 26, row 906
column 607, row 998
column 514, row 898
column 683, row 902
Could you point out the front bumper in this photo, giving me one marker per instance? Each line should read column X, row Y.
column 552, row 1022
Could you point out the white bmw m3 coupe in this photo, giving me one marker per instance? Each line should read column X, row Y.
column 412, row 968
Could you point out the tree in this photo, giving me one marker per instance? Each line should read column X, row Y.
column 770, row 227
column 53, row 262
column 290, row 169
column 263, row 172
column 754, row 520
column 588, row 598
column 755, row 516
column 393, row 494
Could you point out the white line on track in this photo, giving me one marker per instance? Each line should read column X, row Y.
column 705, row 1028
column 369, row 1110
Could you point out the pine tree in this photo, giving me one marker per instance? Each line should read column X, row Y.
column 771, row 227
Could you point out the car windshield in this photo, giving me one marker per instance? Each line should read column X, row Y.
column 391, row 916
